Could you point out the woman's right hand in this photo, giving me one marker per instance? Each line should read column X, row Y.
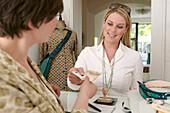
column 73, row 78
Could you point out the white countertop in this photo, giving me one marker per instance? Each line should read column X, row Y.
column 134, row 99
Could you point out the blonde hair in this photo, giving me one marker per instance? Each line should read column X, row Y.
column 125, row 39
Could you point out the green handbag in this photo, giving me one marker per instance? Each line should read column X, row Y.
column 46, row 62
column 148, row 93
column 45, row 66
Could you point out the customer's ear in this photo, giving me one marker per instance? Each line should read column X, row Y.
column 127, row 27
column 104, row 22
column 30, row 25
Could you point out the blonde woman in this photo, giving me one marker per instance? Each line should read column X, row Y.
column 120, row 66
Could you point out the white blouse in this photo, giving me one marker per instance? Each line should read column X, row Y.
column 128, row 68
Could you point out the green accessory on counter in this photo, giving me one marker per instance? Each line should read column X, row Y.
column 148, row 93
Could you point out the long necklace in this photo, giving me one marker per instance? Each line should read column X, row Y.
column 106, row 85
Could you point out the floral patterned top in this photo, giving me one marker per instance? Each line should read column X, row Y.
column 21, row 93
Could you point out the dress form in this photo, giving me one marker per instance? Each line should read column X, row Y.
column 61, row 24
column 64, row 60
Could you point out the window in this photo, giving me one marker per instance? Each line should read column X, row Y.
column 141, row 40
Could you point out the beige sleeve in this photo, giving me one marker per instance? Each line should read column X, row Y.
column 13, row 100
column 79, row 110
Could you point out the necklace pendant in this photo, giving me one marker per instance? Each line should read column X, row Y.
column 104, row 91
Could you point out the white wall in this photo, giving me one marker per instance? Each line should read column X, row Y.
column 167, row 44
column 77, row 20
column 160, row 55
column 34, row 53
column 72, row 15
column 66, row 15
column 88, row 25
column 99, row 22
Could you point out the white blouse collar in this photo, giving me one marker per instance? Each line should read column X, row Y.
column 119, row 53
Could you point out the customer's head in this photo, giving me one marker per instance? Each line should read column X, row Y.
column 117, row 23
column 16, row 14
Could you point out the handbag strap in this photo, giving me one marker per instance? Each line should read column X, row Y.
column 61, row 44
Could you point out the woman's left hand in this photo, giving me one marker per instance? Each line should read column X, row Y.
column 56, row 89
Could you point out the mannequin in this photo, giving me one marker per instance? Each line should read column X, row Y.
column 61, row 24
column 65, row 59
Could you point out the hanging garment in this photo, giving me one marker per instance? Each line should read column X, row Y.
column 64, row 60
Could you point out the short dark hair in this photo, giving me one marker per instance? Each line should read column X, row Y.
column 15, row 14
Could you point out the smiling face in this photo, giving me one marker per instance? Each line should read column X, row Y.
column 114, row 27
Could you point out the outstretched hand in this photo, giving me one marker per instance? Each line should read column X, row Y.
column 87, row 91
column 88, row 87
